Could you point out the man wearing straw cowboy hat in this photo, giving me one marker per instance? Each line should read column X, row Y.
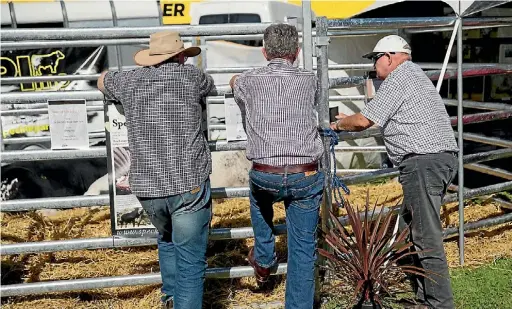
column 420, row 141
column 171, row 161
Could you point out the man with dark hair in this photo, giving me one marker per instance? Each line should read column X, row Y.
column 277, row 102
column 420, row 141
column 170, row 158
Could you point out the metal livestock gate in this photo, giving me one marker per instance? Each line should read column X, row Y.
column 315, row 43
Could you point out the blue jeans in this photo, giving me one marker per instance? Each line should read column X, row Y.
column 302, row 195
column 183, row 223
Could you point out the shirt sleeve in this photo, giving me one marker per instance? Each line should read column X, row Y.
column 206, row 84
column 113, row 83
column 384, row 105
column 239, row 96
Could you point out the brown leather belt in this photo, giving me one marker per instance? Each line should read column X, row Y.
column 289, row 169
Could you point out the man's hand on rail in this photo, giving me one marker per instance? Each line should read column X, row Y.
column 100, row 84
column 232, row 81
column 356, row 122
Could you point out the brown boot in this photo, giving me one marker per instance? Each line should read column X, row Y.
column 262, row 274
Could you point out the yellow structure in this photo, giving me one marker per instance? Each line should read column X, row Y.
column 177, row 12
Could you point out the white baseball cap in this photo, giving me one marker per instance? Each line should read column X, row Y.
column 390, row 44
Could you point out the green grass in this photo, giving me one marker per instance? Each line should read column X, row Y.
column 486, row 287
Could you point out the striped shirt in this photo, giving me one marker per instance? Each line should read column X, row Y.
column 169, row 152
column 278, row 106
column 411, row 114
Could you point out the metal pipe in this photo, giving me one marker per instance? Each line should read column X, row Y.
column 117, row 242
column 476, row 118
column 346, row 97
column 65, row 19
column 460, row 122
column 323, row 112
column 116, row 24
column 88, row 95
column 497, row 172
column 89, row 201
column 48, row 154
column 12, row 13
column 41, row 139
column 160, row 14
column 354, row 66
column 360, row 148
column 478, row 225
column 215, row 234
column 41, row 111
column 447, row 29
column 480, row 105
column 119, row 281
column 307, row 35
column 485, row 139
column 413, row 22
column 129, row 32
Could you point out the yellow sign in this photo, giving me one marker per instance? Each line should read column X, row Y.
column 176, row 12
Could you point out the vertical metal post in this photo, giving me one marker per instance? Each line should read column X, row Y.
column 460, row 130
column 160, row 14
column 307, row 36
column 14, row 21
column 65, row 19
column 321, row 45
column 116, row 24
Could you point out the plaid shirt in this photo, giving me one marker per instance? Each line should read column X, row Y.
column 411, row 114
column 278, row 106
column 169, row 152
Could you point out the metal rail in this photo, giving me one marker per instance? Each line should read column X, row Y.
column 119, row 281
column 146, row 279
column 91, row 201
column 215, row 234
column 234, row 70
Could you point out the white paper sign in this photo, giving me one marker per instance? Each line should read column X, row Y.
column 234, row 121
column 68, row 124
column 117, row 126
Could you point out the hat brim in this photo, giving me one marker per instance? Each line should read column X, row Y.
column 144, row 58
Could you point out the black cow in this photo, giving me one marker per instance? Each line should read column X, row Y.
column 131, row 217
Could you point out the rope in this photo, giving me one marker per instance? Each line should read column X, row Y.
column 337, row 184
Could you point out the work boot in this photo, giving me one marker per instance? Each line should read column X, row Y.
column 262, row 274
column 169, row 304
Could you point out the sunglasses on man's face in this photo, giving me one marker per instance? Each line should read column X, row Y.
column 378, row 56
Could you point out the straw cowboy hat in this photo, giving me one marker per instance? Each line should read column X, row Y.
column 162, row 46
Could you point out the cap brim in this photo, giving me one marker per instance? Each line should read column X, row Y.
column 143, row 58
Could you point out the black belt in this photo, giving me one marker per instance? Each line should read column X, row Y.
column 412, row 155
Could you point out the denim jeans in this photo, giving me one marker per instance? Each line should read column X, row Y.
column 183, row 223
column 302, row 195
column 424, row 180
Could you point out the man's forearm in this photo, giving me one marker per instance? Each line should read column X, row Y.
column 356, row 122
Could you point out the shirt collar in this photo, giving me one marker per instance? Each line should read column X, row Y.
column 279, row 62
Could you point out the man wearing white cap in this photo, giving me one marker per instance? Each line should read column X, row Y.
column 419, row 140
column 170, row 158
